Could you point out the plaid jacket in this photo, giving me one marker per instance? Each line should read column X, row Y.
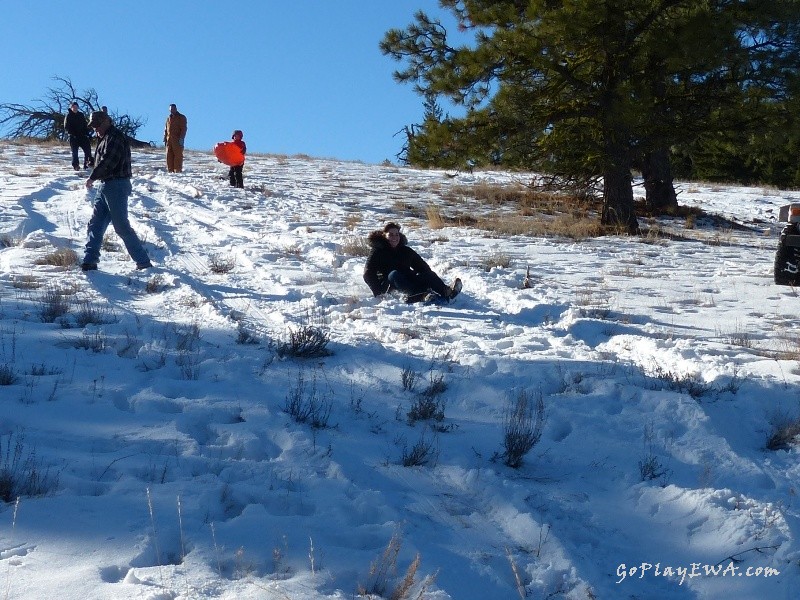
column 113, row 157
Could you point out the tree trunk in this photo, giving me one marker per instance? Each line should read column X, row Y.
column 618, row 209
column 660, row 194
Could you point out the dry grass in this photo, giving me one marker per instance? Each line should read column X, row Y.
column 515, row 209
column 307, row 341
column 523, row 425
column 28, row 141
column 21, row 472
column 496, row 260
column 408, row 210
column 26, row 282
column 355, row 246
column 111, row 243
column 436, row 219
column 62, row 257
column 155, row 284
column 221, row 264
column 8, row 240
column 488, row 193
column 53, row 303
column 785, row 432
column 353, row 220
column 786, row 348
column 382, row 574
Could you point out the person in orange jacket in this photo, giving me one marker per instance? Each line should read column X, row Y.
column 235, row 173
column 174, row 137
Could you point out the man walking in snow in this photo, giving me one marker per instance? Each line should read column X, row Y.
column 78, row 131
column 113, row 169
column 174, row 137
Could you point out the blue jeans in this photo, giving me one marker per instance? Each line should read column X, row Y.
column 111, row 206
column 417, row 283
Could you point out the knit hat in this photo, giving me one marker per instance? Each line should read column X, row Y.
column 98, row 117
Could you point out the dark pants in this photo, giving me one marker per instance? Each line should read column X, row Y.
column 85, row 144
column 418, row 283
column 235, row 175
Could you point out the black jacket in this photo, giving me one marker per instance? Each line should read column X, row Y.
column 76, row 125
column 383, row 259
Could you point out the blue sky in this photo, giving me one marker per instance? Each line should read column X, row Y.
column 299, row 77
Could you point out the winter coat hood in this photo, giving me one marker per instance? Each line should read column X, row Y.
column 377, row 240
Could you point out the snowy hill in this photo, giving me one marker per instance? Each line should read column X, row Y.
column 153, row 414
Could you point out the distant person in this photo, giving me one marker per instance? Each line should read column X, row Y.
column 393, row 265
column 79, row 136
column 113, row 169
column 174, row 138
column 235, row 173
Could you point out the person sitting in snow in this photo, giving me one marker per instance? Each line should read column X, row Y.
column 393, row 265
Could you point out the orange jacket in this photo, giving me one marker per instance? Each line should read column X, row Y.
column 175, row 129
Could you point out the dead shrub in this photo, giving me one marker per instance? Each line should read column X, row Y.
column 523, row 426
column 409, row 378
column 307, row 341
column 524, row 210
column 355, row 246
column 26, row 282
column 110, row 243
column 496, row 260
column 785, row 432
column 428, row 406
column 423, row 452
column 7, row 375
column 62, row 257
column 155, row 284
column 8, row 240
column 89, row 313
column 382, row 574
column 306, row 405
column 436, row 219
column 53, row 303
column 21, row 473
column 221, row 264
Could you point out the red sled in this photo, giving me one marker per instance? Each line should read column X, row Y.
column 229, row 154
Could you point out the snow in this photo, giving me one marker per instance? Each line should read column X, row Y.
column 175, row 471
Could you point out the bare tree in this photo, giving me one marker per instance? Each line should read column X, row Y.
column 44, row 117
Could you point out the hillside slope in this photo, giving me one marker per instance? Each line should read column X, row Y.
column 153, row 411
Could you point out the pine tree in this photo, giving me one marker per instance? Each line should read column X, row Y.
column 585, row 89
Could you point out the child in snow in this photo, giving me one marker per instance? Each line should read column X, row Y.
column 393, row 265
column 235, row 173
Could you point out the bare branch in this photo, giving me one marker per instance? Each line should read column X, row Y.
column 44, row 117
